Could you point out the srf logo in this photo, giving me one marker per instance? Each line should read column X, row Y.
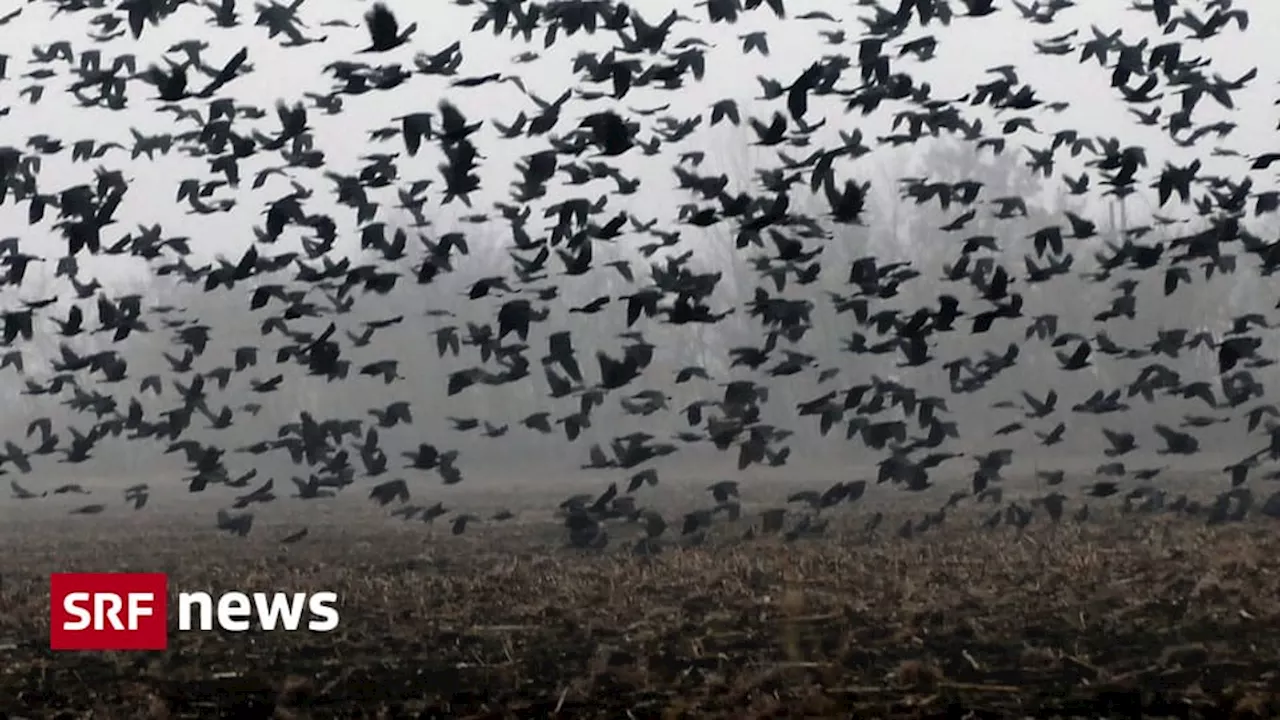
column 108, row 611
column 128, row 611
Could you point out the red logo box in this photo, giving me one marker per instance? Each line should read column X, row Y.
column 108, row 611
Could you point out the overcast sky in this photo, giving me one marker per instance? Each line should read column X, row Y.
column 966, row 50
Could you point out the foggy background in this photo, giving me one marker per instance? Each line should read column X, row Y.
column 896, row 228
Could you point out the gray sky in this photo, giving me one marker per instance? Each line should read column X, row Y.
column 966, row 49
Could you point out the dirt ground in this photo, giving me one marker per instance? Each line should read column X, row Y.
column 1118, row 617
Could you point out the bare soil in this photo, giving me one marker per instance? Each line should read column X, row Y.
column 1117, row 618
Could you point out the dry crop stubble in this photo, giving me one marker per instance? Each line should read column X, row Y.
column 1160, row 616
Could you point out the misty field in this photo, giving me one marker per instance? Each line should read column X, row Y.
column 1116, row 617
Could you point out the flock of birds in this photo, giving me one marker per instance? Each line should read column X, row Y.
column 337, row 452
